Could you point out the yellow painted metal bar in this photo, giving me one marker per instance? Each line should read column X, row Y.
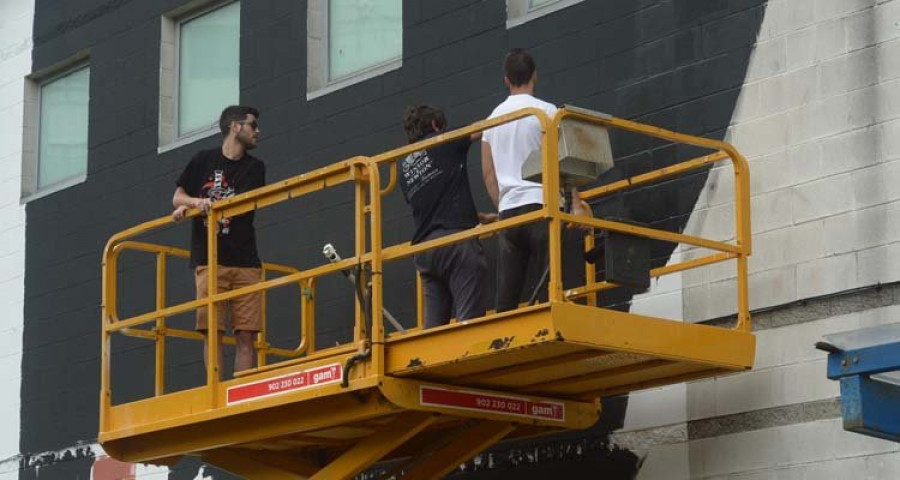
column 743, row 235
column 368, row 451
column 392, row 182
column 212, row 317
column 656, row 272
column 105, row 393
column 308, row 315
column 476, row 127
column 160, row 380
column 268, row 284
column 649, row 233
column 654, row 176
column 261, row 342
column 739, row 163
column 359, row 331
column 743, row 320
column 552, row 188
column 741, row 191
column 151, row 248
column 404, row 250
column 377, row 279
column 193, row 335
column 324, row 353
column 465, row 446
column 297, row 186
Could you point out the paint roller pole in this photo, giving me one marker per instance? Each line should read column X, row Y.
column 331, row 254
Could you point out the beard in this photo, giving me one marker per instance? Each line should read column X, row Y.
column 247, row 141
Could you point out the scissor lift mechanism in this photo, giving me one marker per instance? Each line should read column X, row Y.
column 427, row 400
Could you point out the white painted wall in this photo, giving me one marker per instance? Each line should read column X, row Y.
column 819, row 120
column 16, row 18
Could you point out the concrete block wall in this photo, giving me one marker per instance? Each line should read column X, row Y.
column 781, row 420
column 15, row 62
column 818, row 119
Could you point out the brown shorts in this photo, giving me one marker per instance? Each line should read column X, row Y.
column 245, row 310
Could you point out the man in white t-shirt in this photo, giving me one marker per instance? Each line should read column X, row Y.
column 503, row 152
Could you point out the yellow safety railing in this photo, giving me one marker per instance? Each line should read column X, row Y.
column 723, row 151
column 160, row 331
column 349, row 170
column 370, row 253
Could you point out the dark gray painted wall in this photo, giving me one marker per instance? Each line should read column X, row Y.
column 678, row 64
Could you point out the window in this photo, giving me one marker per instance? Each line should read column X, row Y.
column 56, row 129
column 521, row 11
column 352, row 40
column 199, row 74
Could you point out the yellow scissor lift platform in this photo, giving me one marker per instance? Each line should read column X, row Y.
column 423, row 401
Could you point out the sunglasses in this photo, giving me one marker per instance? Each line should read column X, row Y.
column 253, row 124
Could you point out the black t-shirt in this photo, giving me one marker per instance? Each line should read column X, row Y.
column 212, row 175
column 435, row 183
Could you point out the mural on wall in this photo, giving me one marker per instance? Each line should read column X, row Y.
column 679, row 65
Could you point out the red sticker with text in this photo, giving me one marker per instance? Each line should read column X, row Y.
column 484, row 402
column 270, row 387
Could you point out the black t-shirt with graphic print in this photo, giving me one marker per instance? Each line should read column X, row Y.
column 212, row 175
column 435, row 183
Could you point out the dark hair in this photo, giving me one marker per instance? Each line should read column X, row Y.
column 234, row 113
column 518, row 67
column 417, row 120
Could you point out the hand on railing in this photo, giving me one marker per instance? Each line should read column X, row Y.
column 202, row 204
column 580, row 208
column 485, row 218
column 179, row 213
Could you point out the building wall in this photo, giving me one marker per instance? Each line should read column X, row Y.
column 15, row 62
column 806, row 90
column 817, row 119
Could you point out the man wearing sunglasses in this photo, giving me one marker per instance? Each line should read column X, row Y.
column 214, row 175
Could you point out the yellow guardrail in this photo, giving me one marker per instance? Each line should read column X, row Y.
column 371, row 254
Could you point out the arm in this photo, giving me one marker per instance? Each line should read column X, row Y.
column 582, row 208
column 183, row 202
column 182, row 199
column 490, row 176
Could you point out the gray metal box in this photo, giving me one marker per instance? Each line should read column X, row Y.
column 584, row 152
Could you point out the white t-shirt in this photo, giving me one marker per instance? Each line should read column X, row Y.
column 511, row 143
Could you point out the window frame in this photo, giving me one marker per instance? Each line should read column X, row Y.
column 532, row 13
column 169, row 136
column 31, row 145
column 323, row 84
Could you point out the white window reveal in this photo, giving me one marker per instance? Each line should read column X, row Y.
column 200, row 72
column 521, row 11
column 56, row 145
column 352, row 40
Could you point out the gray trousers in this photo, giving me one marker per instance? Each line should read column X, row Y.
column 453, row 278
column 519, row 247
